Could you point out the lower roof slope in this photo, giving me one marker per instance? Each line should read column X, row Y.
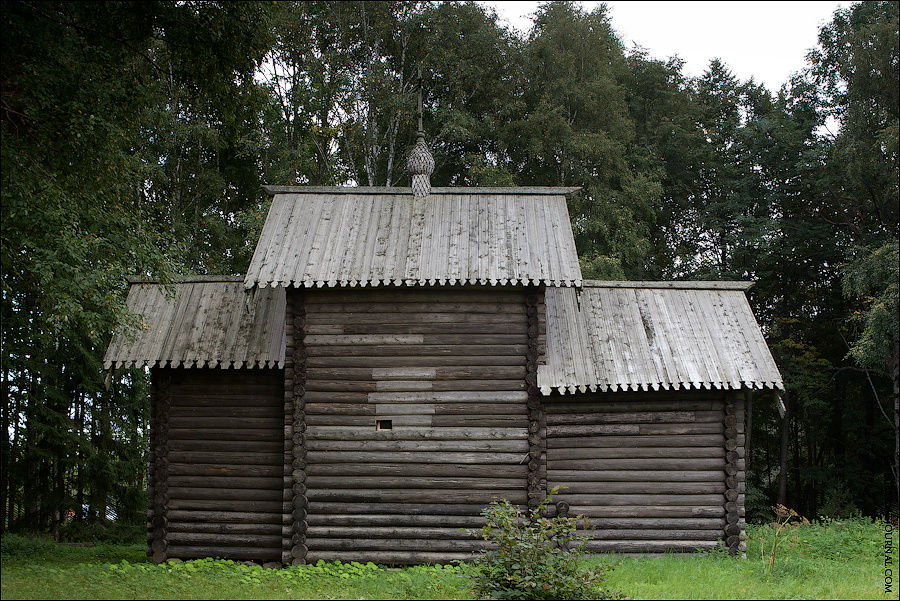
column 210, row 321
column 612, row 336
column 315, row 237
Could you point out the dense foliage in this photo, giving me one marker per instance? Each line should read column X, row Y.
column 135, row 137
column 533, row 556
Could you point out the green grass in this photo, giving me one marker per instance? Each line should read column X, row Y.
column 835, row 560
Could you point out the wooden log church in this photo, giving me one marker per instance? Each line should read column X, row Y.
column 396, row 358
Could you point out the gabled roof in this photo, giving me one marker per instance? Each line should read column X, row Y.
column 386, row 236
column 612, row 336
column 210, row 322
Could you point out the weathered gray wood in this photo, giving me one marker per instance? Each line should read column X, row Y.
column 705, row 441
column 648, row 511
column 634, row 475
column 349, row 433
column 569, row 453
column 217, row 469
column 369, row 533
column 378, row 362
column 396, row 519
column 698, row 500
column 689, row 463
column 420, row 481
column 236, row 457
column 315, row 457
column 390, row 557
column 349, row 471
column 226, row 434
column 236, row 494
column 217, row 550
column 404, row 495
column 227, row 446
column 655, row 534
column 645, row 487
column 649, row 546
column 632, row 429
column 231, row 482
column 518, row 445
column 407, row 544
column 228, row 505
column 236, row 517
column 634, row 417
column 228, row 528
column 327, row 508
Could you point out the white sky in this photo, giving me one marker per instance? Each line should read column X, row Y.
column 764, row 40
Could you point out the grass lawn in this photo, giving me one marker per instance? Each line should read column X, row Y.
column 837, row 560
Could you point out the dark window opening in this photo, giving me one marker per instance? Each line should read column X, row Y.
column 383, row 424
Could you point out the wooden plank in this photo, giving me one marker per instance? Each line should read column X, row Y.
column 241, row 553
column 227, row 528
column 389, row 557
column 397, row 519
column 459, row 349
column 668, row 441
column 441, row 508
column 643, row 510
column 274, row 469
column 224, row 517
column 319, row 457
column 351, row 433
column 639, row 499
column 467, row 360
column 646, row 417
column 513, row 446
column 638, row 487
column 352, row 544
column 634, row 476
column 567, row 453
column 655, row 463
column 417, row 496
column 423, row 482
column 372, row 533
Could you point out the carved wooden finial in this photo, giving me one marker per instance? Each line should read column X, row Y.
column 420, row 163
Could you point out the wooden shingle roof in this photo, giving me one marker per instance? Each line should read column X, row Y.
column 315, row 237
column 210, row 321
column 611, row 336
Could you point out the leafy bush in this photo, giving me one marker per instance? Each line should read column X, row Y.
column 533, row 557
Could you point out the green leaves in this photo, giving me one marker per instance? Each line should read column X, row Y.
column 533, row 557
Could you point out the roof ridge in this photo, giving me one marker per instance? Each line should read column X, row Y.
column 567, row 191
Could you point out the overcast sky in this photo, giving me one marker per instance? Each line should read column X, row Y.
column 764, row 40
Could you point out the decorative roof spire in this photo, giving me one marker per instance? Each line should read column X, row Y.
column 420, row 163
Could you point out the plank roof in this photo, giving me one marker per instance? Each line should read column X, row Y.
column 209, row 321
column 336, row 237
column 617, row 336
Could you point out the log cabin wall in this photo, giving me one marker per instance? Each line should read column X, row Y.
column 217, row 464
column 654, row 471
column 447, row 369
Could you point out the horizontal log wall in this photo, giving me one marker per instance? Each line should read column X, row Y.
column 649, row 469
column 225, row 487
column 447, row 367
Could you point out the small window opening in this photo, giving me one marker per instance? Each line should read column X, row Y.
column 383, row 424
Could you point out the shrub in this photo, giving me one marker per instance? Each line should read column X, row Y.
column 533, row 557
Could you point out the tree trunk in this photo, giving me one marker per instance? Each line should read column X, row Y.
column 785, row 451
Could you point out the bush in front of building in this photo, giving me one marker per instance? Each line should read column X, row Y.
column 531, row 556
